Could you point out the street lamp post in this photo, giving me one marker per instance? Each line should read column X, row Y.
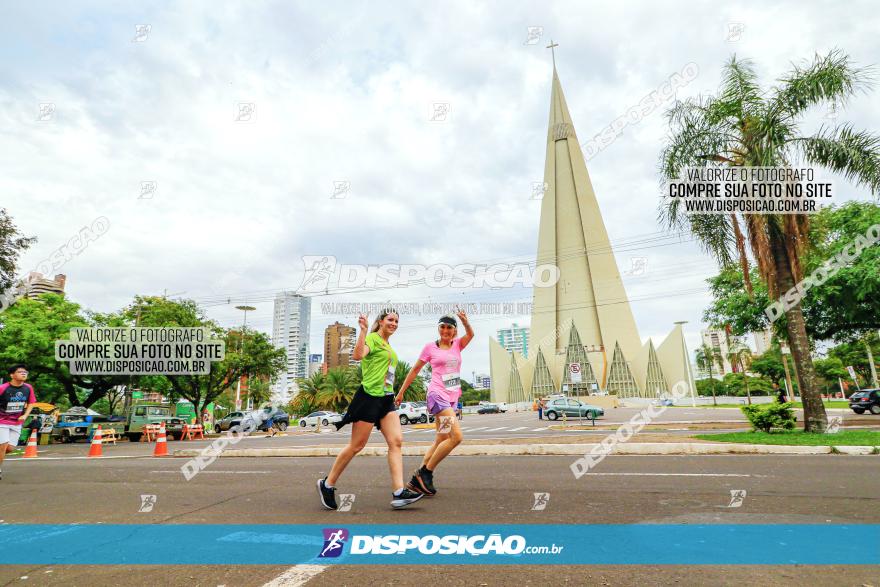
column 244, row 309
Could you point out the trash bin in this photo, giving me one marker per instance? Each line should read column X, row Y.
column 44, row 438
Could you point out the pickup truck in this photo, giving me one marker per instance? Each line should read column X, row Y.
column 139, row 415
column 78, row 424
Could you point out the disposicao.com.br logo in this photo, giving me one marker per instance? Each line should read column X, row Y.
column 453, row 544
column 323, row 273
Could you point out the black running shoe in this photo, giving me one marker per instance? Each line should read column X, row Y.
column 405, row 498
column 328, row 495
column 425, row 481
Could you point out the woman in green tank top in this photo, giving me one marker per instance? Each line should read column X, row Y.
column 373, row 405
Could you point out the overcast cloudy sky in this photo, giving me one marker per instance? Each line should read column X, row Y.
column 345, row 92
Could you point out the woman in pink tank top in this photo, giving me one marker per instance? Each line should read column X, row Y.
column 444, row 356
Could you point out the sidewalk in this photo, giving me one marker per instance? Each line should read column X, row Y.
column 573, row 449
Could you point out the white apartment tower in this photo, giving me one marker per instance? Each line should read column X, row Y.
column 290, row 331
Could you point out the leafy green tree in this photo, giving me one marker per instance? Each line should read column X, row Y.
column 843, row 308
column 769, row 365
column 829, row 369
column 744, row 125
column 28, row 331
column 251, row 353
column 853, row 354
column 739, row 385
column 12, row 244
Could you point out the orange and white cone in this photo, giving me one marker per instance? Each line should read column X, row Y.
column 30, row 452
column 95, row 449
column 161, row 449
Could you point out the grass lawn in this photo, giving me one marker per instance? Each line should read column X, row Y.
column 831, row 404
column 842, row 438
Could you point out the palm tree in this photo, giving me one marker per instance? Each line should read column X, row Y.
column 338, row 389
column 706, row 356
column 306, row 401
column 745, row 126
column 259, row 391
column 741, row 355
column 416, row 390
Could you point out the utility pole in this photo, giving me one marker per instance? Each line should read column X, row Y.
column 244, row 309
column 783, row 348
column 867, row 341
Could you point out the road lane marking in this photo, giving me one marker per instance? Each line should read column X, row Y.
column 518, row 429
column 677, row 474
column 497, row 429
column 81, row 458
column 480, row 428
column 540, row 429
column 220, row 472
column 296, row 576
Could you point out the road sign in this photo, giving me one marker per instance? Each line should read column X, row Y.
column 137, row 394
column 574, row 370
column 852, row 373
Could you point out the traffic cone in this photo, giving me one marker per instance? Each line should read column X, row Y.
column 30, row 452
column 95, row 449
column 161, row 449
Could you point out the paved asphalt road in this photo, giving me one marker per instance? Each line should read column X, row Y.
column 474, row 426
column 623, row 489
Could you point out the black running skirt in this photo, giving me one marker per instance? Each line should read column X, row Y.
column 367, row 408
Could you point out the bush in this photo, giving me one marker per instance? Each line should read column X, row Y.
column 765, row 417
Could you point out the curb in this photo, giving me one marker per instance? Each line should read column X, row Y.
column 635, row 448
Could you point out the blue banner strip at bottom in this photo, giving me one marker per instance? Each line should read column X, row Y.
column 447, row 544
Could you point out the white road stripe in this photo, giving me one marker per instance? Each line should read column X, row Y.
column 81, row 458
column 517, row 429
column 497, row 429
column 480, row 428
column 677, row 474
column 295, row 576
column 220, row 472
column 539, row 429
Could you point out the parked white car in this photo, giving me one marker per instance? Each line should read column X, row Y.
column 325, row 418
column 411, row 412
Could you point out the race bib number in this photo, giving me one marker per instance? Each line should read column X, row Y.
column 12, row 407
column 451, row 381
column 389, row 378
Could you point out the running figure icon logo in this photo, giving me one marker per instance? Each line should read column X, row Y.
column 541, row 501
column 346, row 500
column 445, row 425
column 334, row 541
column 834, row 424
column 736, row 498
column 147, row 503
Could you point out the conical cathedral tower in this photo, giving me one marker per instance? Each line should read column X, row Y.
column 589, row 297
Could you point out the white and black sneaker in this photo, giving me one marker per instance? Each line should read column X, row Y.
column 404, row 497
column 328, row 495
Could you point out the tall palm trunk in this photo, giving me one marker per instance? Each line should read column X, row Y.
column 815, row 419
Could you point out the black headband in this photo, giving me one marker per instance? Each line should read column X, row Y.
column 448, row 320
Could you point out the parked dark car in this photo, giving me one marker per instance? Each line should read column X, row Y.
column 282, row 420
column 489, row 409
column 865, row 400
